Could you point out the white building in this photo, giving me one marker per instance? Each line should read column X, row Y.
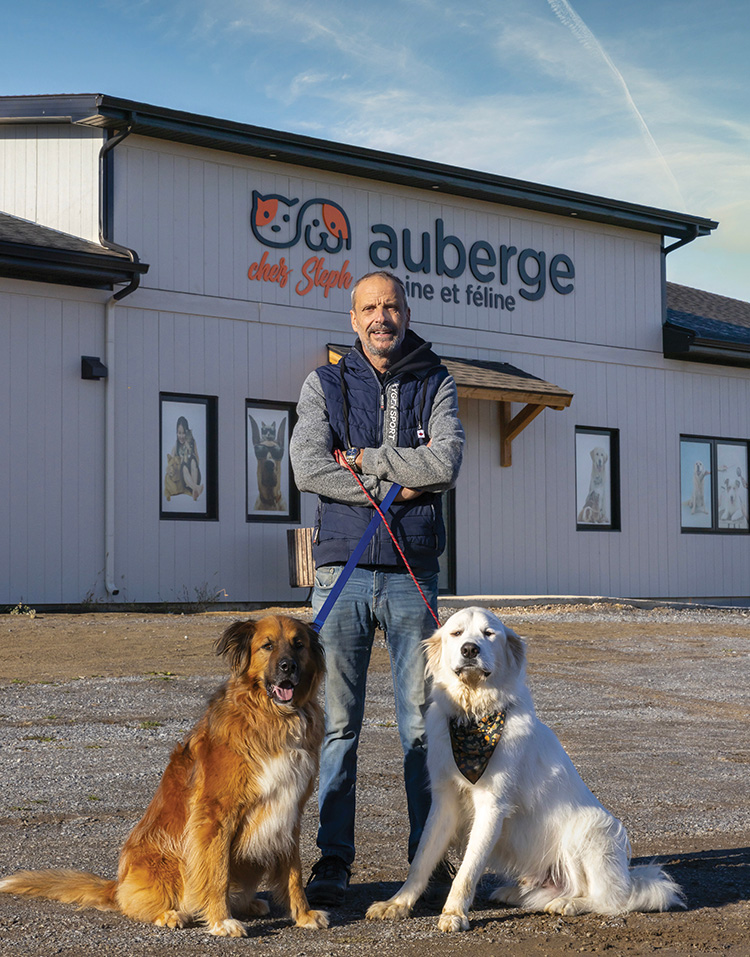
column 230, row 251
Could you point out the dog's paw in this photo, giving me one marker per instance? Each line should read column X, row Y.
column 388, row 910
column 566, row 906
column 228, row 928
column 313, row 920
column 257, row 907
column 450, row 923
column 173, row 918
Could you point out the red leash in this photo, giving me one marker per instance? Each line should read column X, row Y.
column 342, row 461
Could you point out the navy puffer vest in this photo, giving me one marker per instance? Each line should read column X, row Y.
column 391, row 413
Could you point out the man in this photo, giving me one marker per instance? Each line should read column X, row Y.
column 390, row 409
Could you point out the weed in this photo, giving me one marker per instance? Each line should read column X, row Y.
column 204, row 596
column 22, row 609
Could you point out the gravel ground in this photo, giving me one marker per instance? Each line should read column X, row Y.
column 651, row 703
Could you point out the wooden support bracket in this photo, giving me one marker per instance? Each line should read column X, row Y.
column 510, row 428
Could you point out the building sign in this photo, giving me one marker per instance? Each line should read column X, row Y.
column 448, row 256
column 323, row 226
column 498, row 274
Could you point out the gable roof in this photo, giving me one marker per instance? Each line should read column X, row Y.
column 113, row 113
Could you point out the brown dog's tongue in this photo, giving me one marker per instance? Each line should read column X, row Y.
column 283, row 694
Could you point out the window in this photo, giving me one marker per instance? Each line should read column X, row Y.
column 271, row 494
column 188, row 473
column 597, row 479
column 713, row 485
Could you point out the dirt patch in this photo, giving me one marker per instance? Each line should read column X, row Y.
column 651, row 704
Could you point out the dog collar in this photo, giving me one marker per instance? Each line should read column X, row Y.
column 473, row 744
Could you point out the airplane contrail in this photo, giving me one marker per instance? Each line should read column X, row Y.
column 570, row 19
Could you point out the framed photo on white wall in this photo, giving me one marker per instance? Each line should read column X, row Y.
column 271, row 493
column 597, row 479
column 713, row 485
column 188, row 479
column 696, row 485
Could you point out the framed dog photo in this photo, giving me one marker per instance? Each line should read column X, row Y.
column 696, row 486
column 188, row 459
column 732, row 485
column 597, row 479
column 271, row 494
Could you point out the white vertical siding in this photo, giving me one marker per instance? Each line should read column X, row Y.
column 52, row 430
column 49, row 175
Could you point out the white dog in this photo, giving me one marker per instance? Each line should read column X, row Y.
column 697, row 503
column 516, row 803
column 595, row 509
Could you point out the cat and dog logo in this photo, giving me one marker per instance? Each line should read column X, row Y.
column 276, row 223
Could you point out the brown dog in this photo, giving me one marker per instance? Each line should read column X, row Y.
column 228, row 808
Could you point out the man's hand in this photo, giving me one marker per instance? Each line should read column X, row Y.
column 405, row 495
column 408, row 494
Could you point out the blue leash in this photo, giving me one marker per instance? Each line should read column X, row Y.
column 353, row 559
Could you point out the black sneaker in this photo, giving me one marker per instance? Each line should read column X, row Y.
column 440, row 884
column 328, row 881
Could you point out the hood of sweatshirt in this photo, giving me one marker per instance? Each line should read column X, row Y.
column 417, row 357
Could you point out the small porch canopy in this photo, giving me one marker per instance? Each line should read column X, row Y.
column 498, row 382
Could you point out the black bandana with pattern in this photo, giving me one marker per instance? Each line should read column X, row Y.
column 473, row 744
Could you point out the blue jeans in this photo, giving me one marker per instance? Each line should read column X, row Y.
column 390, row 600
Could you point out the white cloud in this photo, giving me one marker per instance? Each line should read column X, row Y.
column 511, row 90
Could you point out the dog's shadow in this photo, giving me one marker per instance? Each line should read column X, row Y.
column 360, row 896
column 708, row 878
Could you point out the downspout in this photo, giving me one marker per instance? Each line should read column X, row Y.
column 109, row 333
column 109, row 450
column 694, row 233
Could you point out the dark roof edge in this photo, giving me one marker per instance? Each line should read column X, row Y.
column 681, row 342
column 64, row 266
column 108, row 112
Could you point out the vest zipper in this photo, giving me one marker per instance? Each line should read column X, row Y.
column 381, row 418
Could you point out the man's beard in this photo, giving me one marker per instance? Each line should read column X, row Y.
column 384, row 349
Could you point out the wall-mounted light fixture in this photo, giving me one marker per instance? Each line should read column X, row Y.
column 92, row 367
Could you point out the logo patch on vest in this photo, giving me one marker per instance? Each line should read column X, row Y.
column 391, row 413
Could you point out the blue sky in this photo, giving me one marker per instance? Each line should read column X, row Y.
column 643, row 102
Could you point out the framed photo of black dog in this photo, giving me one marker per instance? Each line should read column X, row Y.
column 272, row 495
